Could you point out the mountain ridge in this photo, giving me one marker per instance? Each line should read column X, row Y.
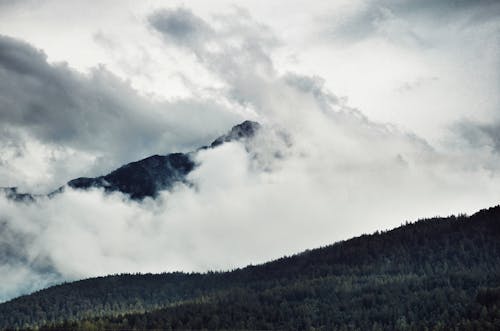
column 145, row 177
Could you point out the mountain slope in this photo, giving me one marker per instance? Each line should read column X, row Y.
column 436, row 273
column 146, row 177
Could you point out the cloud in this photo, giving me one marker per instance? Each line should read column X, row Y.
column 479, row 135
column 6, row 4
column 236, row 47
column 401, row 21
column 441, row 54
column 479, row 11
column 98, row 119
column 182, row 27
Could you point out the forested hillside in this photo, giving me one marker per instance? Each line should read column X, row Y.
column 440, row 273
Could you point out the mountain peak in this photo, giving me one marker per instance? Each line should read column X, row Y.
column 247, row 129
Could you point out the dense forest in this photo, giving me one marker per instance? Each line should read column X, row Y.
column 434, row 274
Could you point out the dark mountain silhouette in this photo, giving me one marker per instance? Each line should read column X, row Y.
column 241, row 131
column 435, row 274
column 12, row 193
column 146, row 177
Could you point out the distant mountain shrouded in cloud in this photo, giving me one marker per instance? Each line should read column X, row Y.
column 149, row 176
column 370, row 112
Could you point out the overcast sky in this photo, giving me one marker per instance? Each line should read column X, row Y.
column 390, row 112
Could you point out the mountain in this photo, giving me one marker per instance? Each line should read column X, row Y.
column 434, row 274
column 146, row 177
column 244, row 130
column 12, row 193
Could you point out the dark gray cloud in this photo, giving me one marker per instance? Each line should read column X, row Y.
column 35, row 270
column 11, row 3
column 480, row 9
column 96, row 113
column 397, row 19
column 312, row 85
column 238, row 42
column 181, row 26
column 493, row 132
column 479, row 135
column 239, row 52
